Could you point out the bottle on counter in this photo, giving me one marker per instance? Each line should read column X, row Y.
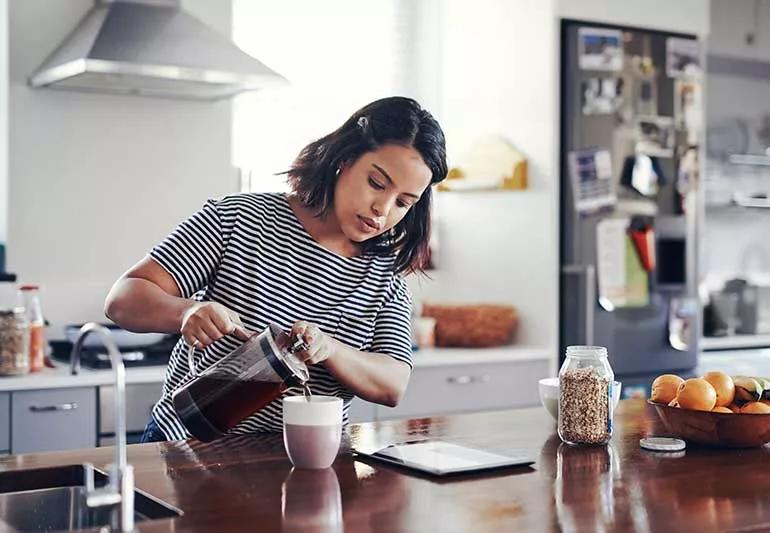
column 585, row 396
column 14, row 342
column 29, row 299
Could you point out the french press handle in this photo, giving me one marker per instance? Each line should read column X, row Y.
column 191, row 361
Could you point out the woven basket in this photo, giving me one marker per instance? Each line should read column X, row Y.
column 473, row 326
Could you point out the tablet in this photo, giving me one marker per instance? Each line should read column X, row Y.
column 440, row 458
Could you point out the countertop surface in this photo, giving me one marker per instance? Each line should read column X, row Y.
column 60, row 376
column 743, row 362
column 247, row 483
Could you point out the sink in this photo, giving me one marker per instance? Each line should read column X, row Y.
column 47, row 499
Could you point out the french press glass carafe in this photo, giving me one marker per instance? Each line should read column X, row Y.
column 239, row 384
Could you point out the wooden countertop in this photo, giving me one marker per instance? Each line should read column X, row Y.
column 246, row 483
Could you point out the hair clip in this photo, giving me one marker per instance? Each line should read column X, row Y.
column 363, row 123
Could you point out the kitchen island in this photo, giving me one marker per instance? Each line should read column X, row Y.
column 247, row 483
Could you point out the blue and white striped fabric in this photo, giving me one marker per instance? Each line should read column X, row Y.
column 250, row 253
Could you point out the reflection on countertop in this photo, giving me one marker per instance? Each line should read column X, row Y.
column 246, row 482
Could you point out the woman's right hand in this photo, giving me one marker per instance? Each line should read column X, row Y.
column 206, row 322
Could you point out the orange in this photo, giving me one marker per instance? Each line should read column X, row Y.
column 696, row 394
column 664, row 388
column 755, row 408
column 673, row 403
column 720, row 409
column 724, row 386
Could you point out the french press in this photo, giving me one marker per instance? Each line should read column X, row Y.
column 239, row 384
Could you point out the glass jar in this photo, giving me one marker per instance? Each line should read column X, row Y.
column 14, row 342
column 29, row 299
column 585, row 396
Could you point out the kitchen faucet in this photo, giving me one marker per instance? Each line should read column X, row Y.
column 119, row 491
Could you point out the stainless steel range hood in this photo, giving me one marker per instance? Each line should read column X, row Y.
column 151, row 48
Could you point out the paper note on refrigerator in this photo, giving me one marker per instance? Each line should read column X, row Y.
column 621, row 279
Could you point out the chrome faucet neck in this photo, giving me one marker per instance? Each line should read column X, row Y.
column 120, row 492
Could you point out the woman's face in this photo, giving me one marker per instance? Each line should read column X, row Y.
column 375, row 192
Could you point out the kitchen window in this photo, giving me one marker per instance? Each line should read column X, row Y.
column 338, row 55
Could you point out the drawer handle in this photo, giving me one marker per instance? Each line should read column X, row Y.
column 48, row 408
column 466, row 380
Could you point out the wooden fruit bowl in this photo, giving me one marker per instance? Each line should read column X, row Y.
column 715, row 429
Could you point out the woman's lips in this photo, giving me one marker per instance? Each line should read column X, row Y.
column 368, row 225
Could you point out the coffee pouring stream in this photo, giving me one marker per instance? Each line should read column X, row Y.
column 240, row 383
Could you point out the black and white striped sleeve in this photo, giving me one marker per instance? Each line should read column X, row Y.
column 193, row 251
column 393, row 325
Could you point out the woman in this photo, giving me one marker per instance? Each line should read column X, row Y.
column 324, row 261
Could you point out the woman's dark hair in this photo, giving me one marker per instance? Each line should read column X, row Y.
column 394, row 120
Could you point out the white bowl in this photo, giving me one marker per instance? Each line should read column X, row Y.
column 549, row 395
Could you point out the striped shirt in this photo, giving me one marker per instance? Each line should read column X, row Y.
column 250, row 253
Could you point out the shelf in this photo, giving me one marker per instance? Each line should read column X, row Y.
column 736, row 342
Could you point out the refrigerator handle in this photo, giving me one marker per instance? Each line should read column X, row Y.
column 588, row 273
column 590, row 303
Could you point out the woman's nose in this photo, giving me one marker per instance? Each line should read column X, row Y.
column 381, row 206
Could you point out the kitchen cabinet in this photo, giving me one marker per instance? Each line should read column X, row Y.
column 5, row 422
column 140, row 399
column 436, row 390
column 53, row 419
column 362, row 411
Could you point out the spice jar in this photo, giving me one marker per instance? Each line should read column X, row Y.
column 585, row 396
column 14, row 342
column 29, row 299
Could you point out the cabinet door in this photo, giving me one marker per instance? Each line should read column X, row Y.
column 140, row 399
column 5, row 422
column 467, row 388
column 362, row 411
column 57, row 419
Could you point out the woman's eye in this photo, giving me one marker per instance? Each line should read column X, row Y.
column 402, row 204
column 375, row 184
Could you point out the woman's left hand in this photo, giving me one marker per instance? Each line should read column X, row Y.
column 319, row 344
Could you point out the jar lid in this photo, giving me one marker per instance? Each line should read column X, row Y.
column 662, row 444
column 586, row 351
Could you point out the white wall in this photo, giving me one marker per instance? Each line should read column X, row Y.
column 499, row 75
column 730, row 22
column 96, row 180
column 3, row 122
column 683, row 16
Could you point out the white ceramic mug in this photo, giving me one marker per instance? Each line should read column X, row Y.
column 312, row 430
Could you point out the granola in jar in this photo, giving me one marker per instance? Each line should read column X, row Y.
column 585, row 396
column 14, row 342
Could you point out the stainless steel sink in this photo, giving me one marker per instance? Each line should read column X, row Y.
column 53, row 499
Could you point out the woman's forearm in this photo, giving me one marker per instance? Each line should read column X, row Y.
column 374, row 377
column 140, row 305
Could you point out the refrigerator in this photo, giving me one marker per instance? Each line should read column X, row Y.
column 630, row 126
